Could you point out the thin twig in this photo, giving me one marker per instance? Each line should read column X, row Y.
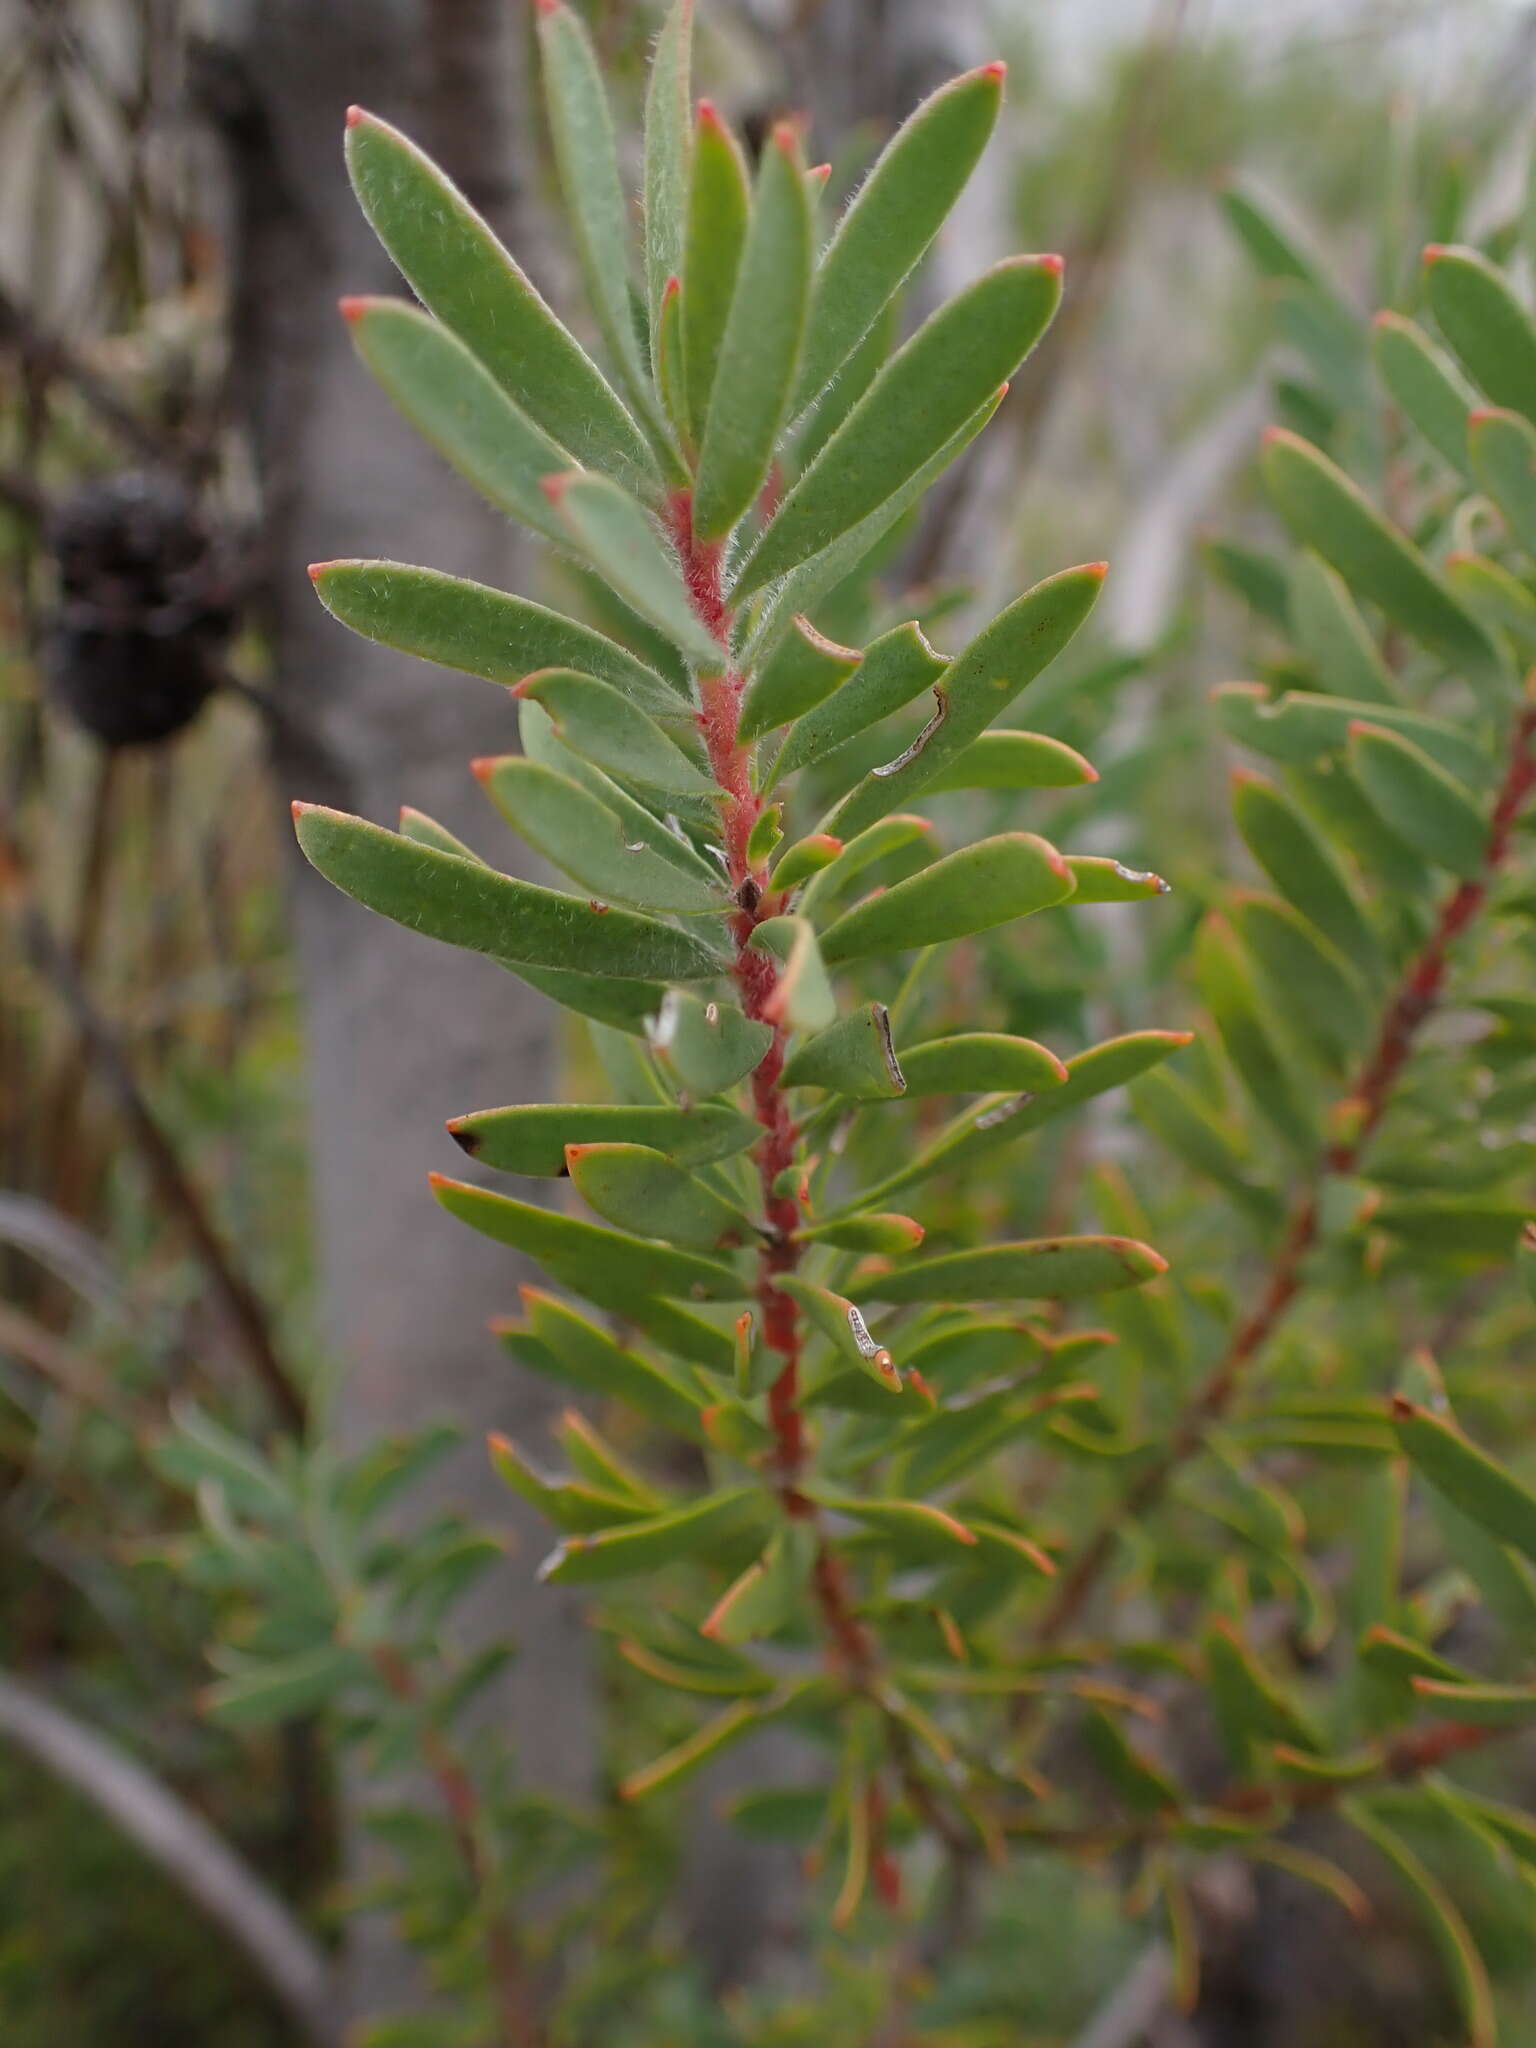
column 1359, row 1114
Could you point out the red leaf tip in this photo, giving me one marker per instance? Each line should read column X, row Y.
column 554, row 487
column 709, row 115
column 297, row 809
column 786, row 137
column 1479, row 413
column 1053, row 263
column 546, row 7
column 1433, row 251
column 354, row 115
column 671, row 288
column 316, row 570
column 351, row 309
column 482, row 767
column 820, row 172
column 996, row 69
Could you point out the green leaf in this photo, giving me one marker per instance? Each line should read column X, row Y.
column 1015, row 760
column 1328, row 629
column 1418, row 800
column 1302, row 726
column 760, row 348
column 769, row 1593
column 1427, row 387
column 801, row 673
column 586, row 155
column 1258, row 578
column 586, row 1255
column 541, row 743
column 567, row 1347
column 668, row 102
column 644, row 1546
column 805, row 859
column 1288, row 847
column 897, row 667
column 469, row 626
column 1486, row 325
column 1224, row 982
column 681, row 1761
column 1326, row 511
column 1304, row 976
column 853, row 1057
column 977, row 687
column 467, row 904
column 613, row 531
column 1470, row 1480
column 719, row 211
column 454, row 402
column 458, row 269
column 1140, row 1785
column 898, row 210
column 1503, row 451
column 602, row 725
column 531, row 1137
column 1046, row 1269
column 1464, row 1965
column 570, row 827
column 979, row 1063
column 1250, row 1706
column 888, row 1234
column 924, row 395
column 802, row 995
column 668, row 350
column 914, row 1529
column 1485, row 1706
column 1001, row 1119
column 567, row 1503
column 1181, row 1119
column 708, row 1045
column 285, row 1688
column 1098, row 880
column 803, row 588
column 644, row 1192
column 986, row 884
column 1271, row 249
column 1494, row 594
column 879, row 842
column 842, row 1324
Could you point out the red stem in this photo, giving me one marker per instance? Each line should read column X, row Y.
column 1360, row 1111
column 756, row 977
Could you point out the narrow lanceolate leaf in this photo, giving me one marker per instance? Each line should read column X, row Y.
column 582, row 1252
column 719, row 209
column 897, row 667
column 1485, row 324
column 1044, row 1269
column 1458, row 1951
column 925, row 394
column 760, row 349
column 1015, row 760
column 645, row 1192
column 1484, row 1491
column 454, row 402
column 531, row 1137
column 801, row 673
column 1429, row 390
column 1273, row 251
column 1498, row 597
column 668, row 106
column 975, row 690
column 587, row 158
column 805, row 859
column 468, row 904
column 1099, row 880
column 458, row 269
column 1302, row 725
column 599, row 723
column 986, row 884
column 1239, row 1014
column 1305, row 976
column 1503, row 451
column 1288, row 847
column 1423, row 805
column 563, row 1345
column 914, row 1529
column 899, row 209
column 854, row 1057
column 690, row 1755
column 802, row 995
column 884, row 1232
column 613, row 531
column 646, row 1545
column 1487, row 1706
column 1326, row 511
column 668, row 353
column 541, row 743
column 469, row 626
column 1327, row 627
column 575, row 830
column 709, row 1046
column 871, row 847
column 980, row 1063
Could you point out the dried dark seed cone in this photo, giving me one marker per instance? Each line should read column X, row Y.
column 132, row 652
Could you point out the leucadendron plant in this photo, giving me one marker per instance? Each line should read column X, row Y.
column 999, row 1558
